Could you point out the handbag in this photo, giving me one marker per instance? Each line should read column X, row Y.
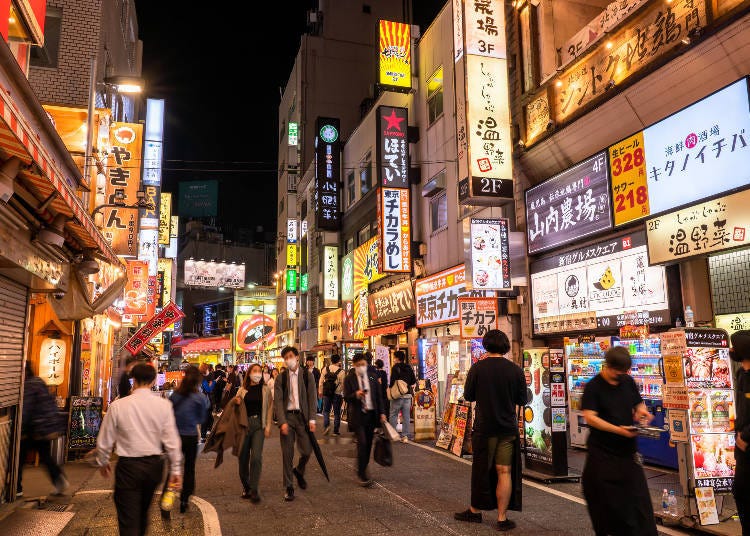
column 397, row 390
column 390, row 432
column 383, row 454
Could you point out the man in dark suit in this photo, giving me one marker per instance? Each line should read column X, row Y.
column 295, row 402
column 366, row 408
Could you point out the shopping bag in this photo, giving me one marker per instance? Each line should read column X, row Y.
column 383, row 451
column 390, row 432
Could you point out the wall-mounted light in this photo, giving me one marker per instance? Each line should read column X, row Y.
column 88, row 264
column 52, row 359
column 125, row 84
column 8, row 172
column 53, row 233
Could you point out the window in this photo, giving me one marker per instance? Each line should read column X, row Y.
column 435, row 96
column 350, row 188
column 303, row 210
column 439, row 212
column 349, row 247
column 465, row 210
column 47, row 55
column 363, row 235
column 365, row 173
column 527, row 54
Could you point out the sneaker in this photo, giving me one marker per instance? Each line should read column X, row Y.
column 404, row 439
column 19, row 494
column 506, row 525
column 300, row 479
column 468, row 516
column 289, row 495
column 61, row 485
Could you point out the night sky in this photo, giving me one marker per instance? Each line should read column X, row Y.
column 217, row 126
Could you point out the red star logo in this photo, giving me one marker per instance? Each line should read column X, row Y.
column 393, row 121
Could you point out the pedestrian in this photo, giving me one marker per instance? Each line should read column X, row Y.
column 740, row 353
column 139, row 427
column 273, row 374
column 190, row 408
column 310, row 366
column 331, row 391
column 123, row 386
column 233, row 381
column 362, row 393
column 255, row 395
column 207, row 388
column 498, row 387
column 401, row 403
column 383, row 382
column 614, row 484
column 217, row 393
column 295, row 405
column 40, row 425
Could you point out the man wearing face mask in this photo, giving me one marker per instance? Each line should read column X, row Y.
column 362, row 393
column 614, row 484
column 740, row 353
column 295, row 403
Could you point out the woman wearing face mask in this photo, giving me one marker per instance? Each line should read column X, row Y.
column 256, row 396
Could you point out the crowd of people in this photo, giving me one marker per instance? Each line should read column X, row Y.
column 238, row 411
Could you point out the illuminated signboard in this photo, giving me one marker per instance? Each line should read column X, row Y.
column 437, row 296
column 291, row 230
column 136, row 289
column 394, row 232
column 165, row 269
column 488, row 259
column 395, row 55
column 393, row 146
column 304, row 284
column 485, row 28
column 291, row 255
column 165, row 218
column 214, row 274
column 327, row 174
column 291, row 306
column 291, row 280
column 330, row 277
column 293, row 133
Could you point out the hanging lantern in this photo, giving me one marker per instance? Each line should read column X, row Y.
column 52, row 360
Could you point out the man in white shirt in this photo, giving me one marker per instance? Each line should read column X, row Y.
column 139, row 425
column 295, row 402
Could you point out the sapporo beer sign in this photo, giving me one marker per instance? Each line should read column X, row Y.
column 478, row 316
column 393, row 146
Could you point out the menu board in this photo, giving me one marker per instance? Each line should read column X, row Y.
column 488, row 265
column 85, row 421
column 537, row 413
column 604, row 286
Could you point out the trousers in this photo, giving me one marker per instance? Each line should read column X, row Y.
column 189, row 454
column 43, row 447
column 136, row 480
column 741, row 489
column 251, row 455
column 297, row 434
column 365, row 433
column 334, row 402
column 402, row 405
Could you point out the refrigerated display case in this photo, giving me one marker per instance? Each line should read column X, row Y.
column 584, row 358
column 647, row 372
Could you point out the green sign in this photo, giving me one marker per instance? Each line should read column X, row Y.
column 293, row 133
column 303, row 282
column 329, row 134
column 291, row 280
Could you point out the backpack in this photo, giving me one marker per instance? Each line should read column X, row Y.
column 329, row 382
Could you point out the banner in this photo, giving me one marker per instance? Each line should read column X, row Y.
column 437, row 296
column 136, row 289
column 169, row 315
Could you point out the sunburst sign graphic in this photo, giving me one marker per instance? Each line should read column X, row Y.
column 395, row 54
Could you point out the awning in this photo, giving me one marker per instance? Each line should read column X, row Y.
column 204, row 345
column 325, row 347
column 389, row 329
column 39, row 146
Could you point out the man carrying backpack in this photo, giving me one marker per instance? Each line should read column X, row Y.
column 331, row 389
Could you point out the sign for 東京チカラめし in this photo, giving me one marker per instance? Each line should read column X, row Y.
column 394, row 231
column 603, row 286
column 569, row 206
column 395, row 54
column 665, row 166
column 655, row 30
column 488, row 254
column 723, row 223
column 437, row 296
column 477, row 316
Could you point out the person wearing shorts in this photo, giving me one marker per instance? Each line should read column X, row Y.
column 498, row 387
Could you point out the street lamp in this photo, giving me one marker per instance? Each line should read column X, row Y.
column 120, row 203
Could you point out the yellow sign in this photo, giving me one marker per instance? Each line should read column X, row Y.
column 174, row 226
column 716, row 225
column 329, row 326
column 165, row 266
column 291, row 255
column 732, row 323
column 395, row 54
column 165, row 217
column 673, row 369
column 627, row 166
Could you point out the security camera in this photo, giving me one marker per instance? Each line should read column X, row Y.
column 550, row 125
column 59, row 294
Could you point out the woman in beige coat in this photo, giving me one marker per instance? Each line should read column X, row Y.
column 257, row 398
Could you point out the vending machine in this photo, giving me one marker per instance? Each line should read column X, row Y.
column 584, row 357
column 647, row 371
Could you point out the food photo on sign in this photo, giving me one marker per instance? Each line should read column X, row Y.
column 708, row 367
column 713, row 455
column 537, row 413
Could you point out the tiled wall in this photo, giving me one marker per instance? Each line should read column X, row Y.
column 730, row 282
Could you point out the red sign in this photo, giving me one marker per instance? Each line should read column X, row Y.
column 137, row 288
column 168, row 316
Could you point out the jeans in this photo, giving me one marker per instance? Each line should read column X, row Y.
column 189, row 454
column 251, row 455
column 334, row 402
column 404, row 406
column 136, row 480
column 42, row 446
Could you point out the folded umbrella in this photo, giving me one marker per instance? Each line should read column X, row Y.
column 318, row 453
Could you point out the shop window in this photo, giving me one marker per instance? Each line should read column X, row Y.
column 365, row 173
column 435, row 96
column 350, row 188
column 527, row 49
column 439, row 212
column 47, row 55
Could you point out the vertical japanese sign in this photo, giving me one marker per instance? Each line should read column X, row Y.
column 327, row 174
column 293, row 133
column 485, row 28
column 394, row 230
column 393, row 146
column 166, row 267
column 627, row 167
column 291, row 231
column 330, row 277
column 174, row 226
column 458, row 30
column 291, row 306
column 123, row 181
column 291, row 280
column 488, row 259
column 291, row 255
column 136, row 289
column 165, row 218
column 395, row 55
column 478, row 316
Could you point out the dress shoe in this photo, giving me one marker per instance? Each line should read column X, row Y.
column 254, row 497
column 183, row 506
column 300, row 479
column 469, row 516
column 289, row 495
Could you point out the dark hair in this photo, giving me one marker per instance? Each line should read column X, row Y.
column 190, row 381
column 335, row 358
column 359, row 356
column 246, row 382
column 131, row 359
column 274, row 370
column 496, row 342
column 143, row 374
column 309, row 358
column 28, row 371
column 618, row 358
column 400, row 355
column 379, row 363
column 289, row 349
column 368, row 358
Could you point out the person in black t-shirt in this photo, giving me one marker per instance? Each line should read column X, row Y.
column 614, row 484
column 498, row 386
